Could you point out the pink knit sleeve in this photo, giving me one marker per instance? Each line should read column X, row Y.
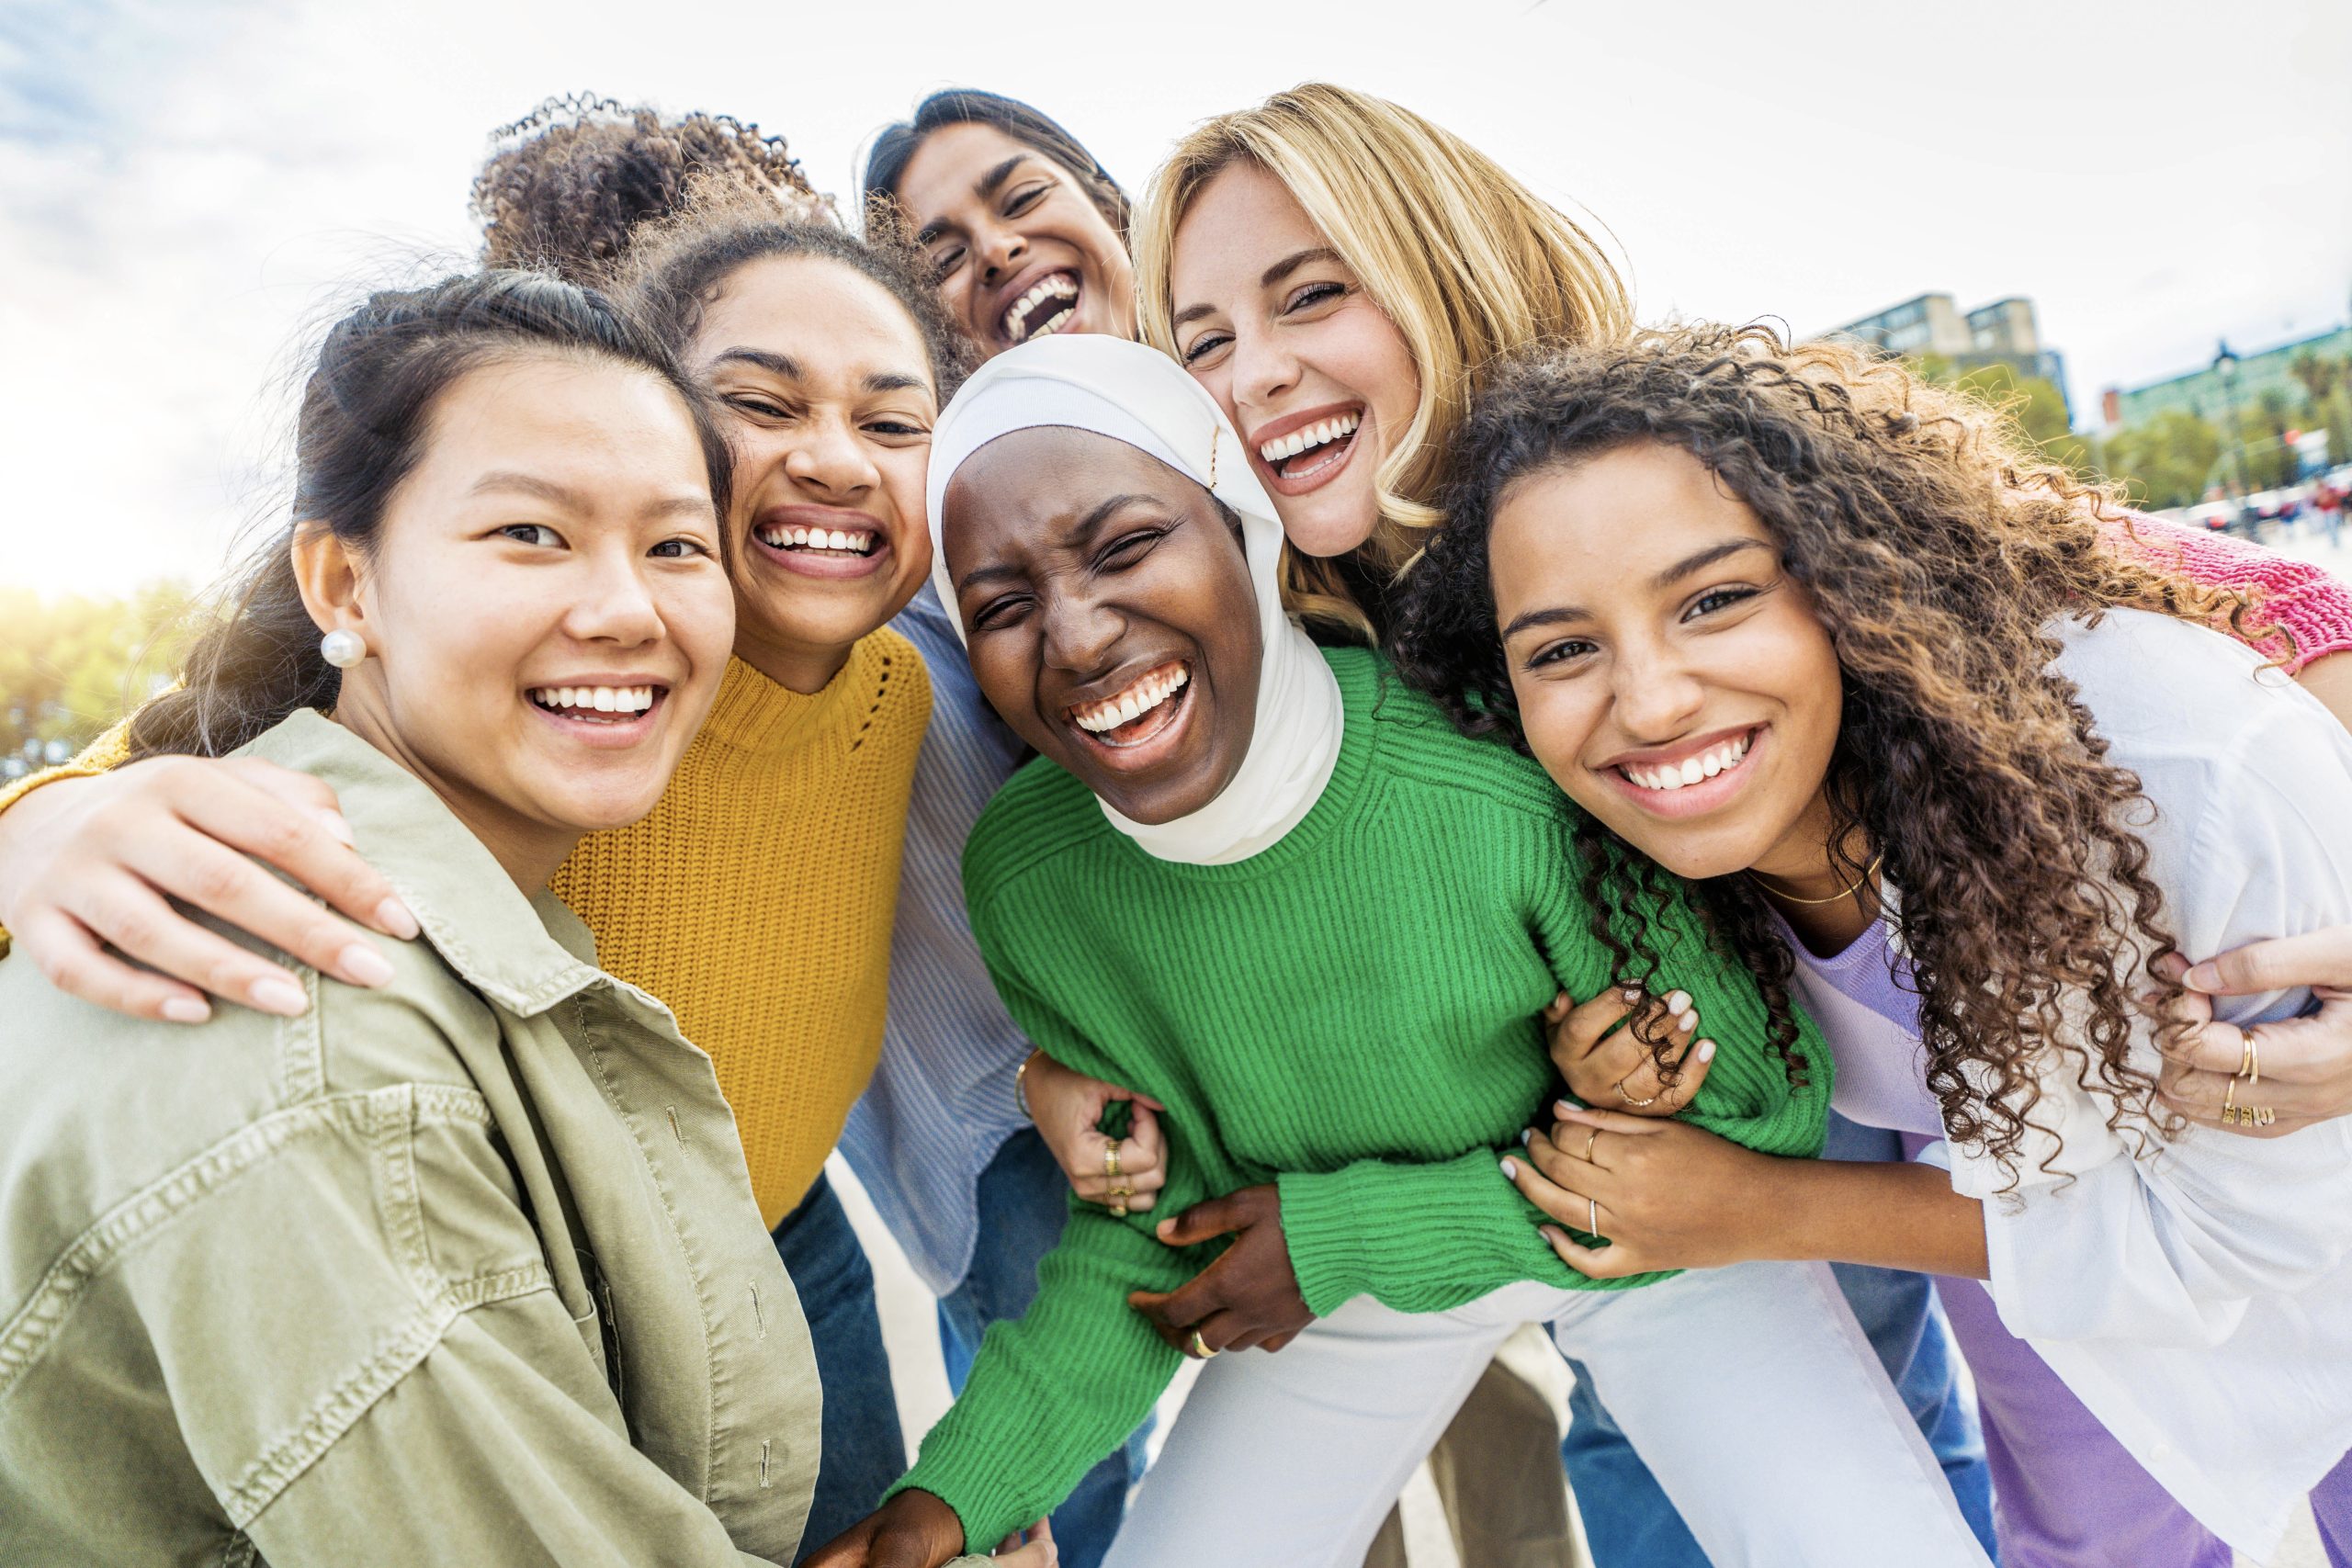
column 2312, row 607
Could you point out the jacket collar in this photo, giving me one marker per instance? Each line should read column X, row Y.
column 524, row 953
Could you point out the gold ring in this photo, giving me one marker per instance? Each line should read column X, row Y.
column 1628, row 1098
column 1592, row 1216
column 2245, row 1053
column 2230, row 1103
column 1121, row 1191
column 1201, row 1347
column 1589, row 1139
column 1110, row 1161
column 1119, row 1207
column 2253, row 1060
column 2263, row 1116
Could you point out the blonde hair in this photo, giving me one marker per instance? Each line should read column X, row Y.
column 1465, row 261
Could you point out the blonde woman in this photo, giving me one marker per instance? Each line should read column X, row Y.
column 1340, row 272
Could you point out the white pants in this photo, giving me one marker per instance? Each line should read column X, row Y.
column 1749, row 1391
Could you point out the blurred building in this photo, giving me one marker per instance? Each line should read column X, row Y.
column 2201, row 392
column 2003, row 333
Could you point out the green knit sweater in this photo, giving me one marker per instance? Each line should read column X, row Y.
column 1350, row 1013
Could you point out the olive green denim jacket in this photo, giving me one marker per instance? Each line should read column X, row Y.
column 462, row 1270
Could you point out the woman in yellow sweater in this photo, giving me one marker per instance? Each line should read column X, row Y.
column 776, row 850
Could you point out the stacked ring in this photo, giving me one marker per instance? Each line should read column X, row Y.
column 1119, row 1193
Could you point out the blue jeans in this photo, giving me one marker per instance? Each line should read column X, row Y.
column 1627, row 1517
column 1024, row 1198
column 863, row 1450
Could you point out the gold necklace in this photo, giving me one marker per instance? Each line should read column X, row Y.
column 1868, row 871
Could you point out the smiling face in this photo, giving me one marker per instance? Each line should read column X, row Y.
column 1020, row 249
column 1111, row 615
column 829, row 394
column 1315, row 377
column 1670, row 676
column 545, row 604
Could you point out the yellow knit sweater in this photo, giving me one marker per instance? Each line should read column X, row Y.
column 756, row 899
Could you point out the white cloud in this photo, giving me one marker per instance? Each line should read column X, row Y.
column 186, row 188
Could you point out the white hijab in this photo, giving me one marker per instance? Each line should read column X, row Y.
column 1138, row 395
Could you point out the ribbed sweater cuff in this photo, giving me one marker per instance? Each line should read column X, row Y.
column 1414, row 1237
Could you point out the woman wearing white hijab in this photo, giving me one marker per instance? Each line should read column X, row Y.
column 1261, row 882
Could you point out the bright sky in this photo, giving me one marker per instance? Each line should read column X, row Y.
column 188, row 187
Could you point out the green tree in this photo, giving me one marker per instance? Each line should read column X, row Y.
column 2166, row 461
column 2327, row 381
column 69, row 667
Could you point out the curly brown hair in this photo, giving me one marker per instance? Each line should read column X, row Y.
column 573, row 177
column 1939, row 555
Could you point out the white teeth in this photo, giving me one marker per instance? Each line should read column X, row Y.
column 1691, row 770
column 595, row 699
column 1136, row 701
column 855, row 541
column 1052, row 326
column 1060, row 285
column 1315, row 434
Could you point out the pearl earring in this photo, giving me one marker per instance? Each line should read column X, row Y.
column 342, row 649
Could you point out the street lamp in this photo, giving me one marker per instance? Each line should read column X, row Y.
column 2225, row 365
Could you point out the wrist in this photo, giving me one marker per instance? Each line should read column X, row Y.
column 1786, row 1228
column 1021, row 1085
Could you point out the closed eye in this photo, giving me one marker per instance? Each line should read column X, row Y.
column 999, row 612
column 1128, row 549
column 1026, row 198
column 758, row 407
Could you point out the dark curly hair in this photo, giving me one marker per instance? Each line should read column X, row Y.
column 1938, row 554
column 572, row 178
column 678, row 266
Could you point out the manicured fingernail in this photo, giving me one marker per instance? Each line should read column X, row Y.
column 1706, row 1049
column 2204, row 977
column 393, row 915
column 1510, row 1170
column 1687, row 1021
column 1631, row 993
column 1678, row 1001
column 185, row 1010
column 1525, row 1135
column 274, row 993
column 1561, row 1109
column 363, row 965
column 333, row 822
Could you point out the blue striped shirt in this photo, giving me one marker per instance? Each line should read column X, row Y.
column 941, row 1103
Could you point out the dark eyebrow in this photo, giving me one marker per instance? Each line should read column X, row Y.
column 572, row 501
column 1560, row 613
column 1291, row 263
column 896, row 382
column 1266, row 279
column 987, row 184
column 1703, row 559
column 1086, row 525
column 782, row 365
column 985, row 187
column 1073, row 536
